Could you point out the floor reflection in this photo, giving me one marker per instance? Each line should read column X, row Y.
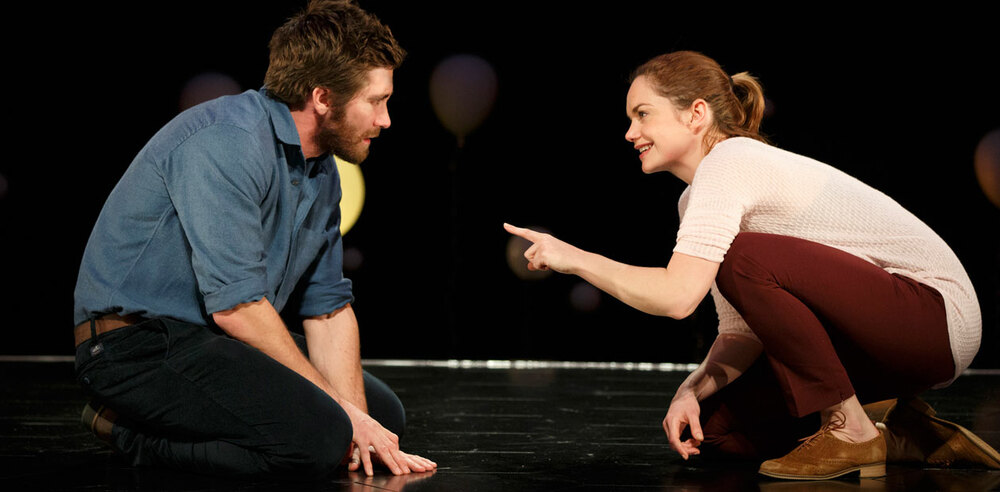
column 517, row 430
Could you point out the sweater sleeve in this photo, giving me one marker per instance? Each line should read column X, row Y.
column 714, row 205
column 711, row 212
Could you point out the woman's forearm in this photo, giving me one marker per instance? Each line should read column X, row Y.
column 674, row 291
column 730, row 356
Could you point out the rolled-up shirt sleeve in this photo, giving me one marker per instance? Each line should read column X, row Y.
column 325, row 288
column 216, row 181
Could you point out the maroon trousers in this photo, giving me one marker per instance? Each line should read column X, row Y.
column 832, row 326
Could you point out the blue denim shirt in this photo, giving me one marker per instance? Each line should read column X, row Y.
column 218, row 209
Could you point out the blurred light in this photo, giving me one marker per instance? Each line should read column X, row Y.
column 207, row 86
column 987, row 162
column 353, row 259
column 769, row 108
column 584, row 297
column 463, row 89
column 352, row 183
column 3, row 186
column 516, row 246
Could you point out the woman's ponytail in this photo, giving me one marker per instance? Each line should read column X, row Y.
column 751, row 97
column 737, row 102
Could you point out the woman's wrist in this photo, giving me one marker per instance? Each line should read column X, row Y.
column 684, row 391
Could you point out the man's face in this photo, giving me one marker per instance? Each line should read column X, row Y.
column 347, row 131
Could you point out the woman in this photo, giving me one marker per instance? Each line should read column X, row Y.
column 848, row 297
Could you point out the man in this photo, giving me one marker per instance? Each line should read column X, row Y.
column 227, row 212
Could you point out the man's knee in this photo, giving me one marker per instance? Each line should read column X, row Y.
column 327, row 451
column 384, row 406
column 317, row 450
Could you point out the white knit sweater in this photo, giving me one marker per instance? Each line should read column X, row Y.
column 746, row 185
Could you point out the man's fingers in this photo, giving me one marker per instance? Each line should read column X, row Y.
column 366, row 460
column 426, row 462
column 419, row 463
column 416, row 465
column 391, row 459
column 355, row 459
column 398, row 462
column 400, row 459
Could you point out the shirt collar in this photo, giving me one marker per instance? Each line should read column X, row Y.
column 281, row 117
column 287, row 133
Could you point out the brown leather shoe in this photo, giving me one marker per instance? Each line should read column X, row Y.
column 915, row 435
column 99, row 421
column 822, row 456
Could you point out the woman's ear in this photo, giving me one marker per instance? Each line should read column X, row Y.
column 700, row 115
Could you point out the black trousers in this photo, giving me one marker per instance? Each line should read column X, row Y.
column 195, row 399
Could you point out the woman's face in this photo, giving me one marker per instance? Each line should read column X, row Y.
column 660, row 133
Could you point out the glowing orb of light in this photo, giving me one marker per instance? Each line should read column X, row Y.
column 463, row 88
column 207, row 86
column 516, row 246
column 584, row 297
column 352, row 185
column 987, row 162
column 353, row 259
column 769, row 107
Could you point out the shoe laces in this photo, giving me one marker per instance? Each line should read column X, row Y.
column 837, row 421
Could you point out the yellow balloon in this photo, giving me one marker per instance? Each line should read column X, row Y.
column 352, row 185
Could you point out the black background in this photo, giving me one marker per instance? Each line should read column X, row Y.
column 899, row 99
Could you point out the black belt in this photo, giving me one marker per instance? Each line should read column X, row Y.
column 99, row 326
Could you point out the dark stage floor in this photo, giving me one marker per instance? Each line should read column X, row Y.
column 500, row 428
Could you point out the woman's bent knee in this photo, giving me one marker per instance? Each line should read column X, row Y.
column 739, row 266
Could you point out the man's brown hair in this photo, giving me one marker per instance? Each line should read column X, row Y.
column 331, row 44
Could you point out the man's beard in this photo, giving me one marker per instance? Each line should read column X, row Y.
column 335, row 136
